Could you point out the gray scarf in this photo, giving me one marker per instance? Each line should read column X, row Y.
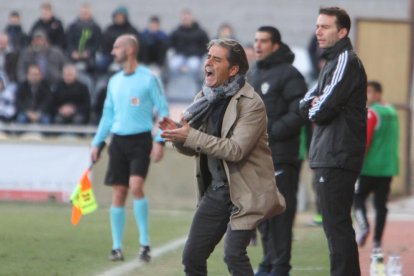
column 200, row 109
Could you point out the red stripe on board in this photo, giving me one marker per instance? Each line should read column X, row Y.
column 32, row 196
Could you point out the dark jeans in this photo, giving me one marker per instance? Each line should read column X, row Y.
column 276, row 232
column 210, row 223
column 22, row 118
column 335, row 188
column 76, row 119
column 380, row 186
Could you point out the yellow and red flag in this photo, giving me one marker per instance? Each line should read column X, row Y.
column 83, row 198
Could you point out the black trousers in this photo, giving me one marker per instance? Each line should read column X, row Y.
column 210, row 223
column 276, row 232
column 380, row 186
column 335, row 188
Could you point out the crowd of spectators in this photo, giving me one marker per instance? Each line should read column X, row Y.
column 57, row 74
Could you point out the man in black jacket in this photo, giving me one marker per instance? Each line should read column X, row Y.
column 71, row 100
column 281, row 87
column 51, row 25
column 33, row 98
column 82, row 39
column 337, row 107
column 189, row 42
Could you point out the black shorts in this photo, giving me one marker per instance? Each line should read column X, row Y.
column 128, row 155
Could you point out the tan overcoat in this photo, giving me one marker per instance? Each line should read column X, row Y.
column 243, row 147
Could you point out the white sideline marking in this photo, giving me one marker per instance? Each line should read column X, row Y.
column 135, row 263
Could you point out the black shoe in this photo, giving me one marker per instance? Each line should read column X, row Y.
column 116, row 255
column 144, row 254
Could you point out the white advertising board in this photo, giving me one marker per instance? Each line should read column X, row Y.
column 41, row 171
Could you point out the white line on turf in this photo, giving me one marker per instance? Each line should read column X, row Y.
column 135, row 263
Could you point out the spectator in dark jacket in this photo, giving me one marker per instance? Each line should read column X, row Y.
column 189, row 42
column 83, row 37
column 154, row 43
column 51, row 25
column 33, row 98
column 8, row 58
column 71, row 100
column 281, row 86
column 18, row 38
column 120, row 25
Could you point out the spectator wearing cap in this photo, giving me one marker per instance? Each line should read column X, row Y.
column 281, row 86
column 120, row 25
column 50, row 59
column 51, row 25
column 17, row 37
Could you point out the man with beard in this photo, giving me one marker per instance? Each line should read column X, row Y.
column 132, row 96
column 281, row 87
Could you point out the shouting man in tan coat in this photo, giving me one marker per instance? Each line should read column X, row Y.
column 225, row 128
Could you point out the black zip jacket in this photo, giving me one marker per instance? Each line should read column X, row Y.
column 340, row 114
column 54, row 30
column 189, row 41
column 281, row 87
column 75, row 93
column 37, row 99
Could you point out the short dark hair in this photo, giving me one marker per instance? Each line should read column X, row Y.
column 154, row 19
column 342, row 18
column 236, row 56
column 376, row 85
column 275, row 36
column 14, row 13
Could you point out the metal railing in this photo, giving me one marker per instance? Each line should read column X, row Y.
column 39, row 128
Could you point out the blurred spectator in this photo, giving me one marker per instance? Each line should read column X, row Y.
column 8, row 58
column 71, row 100
column 250, row 53
column 7, row 99
column 33, row 98
column 315, row 55
column 83, row 37
column 154, row 44
column 225, row 31
column 189, row 42
column 51, row 25
column 50, row 59
column 120, row 25
column 17, row 37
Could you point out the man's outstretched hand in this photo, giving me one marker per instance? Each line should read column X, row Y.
column 174, row 132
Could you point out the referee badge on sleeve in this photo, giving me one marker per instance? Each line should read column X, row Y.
column 135, row 101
